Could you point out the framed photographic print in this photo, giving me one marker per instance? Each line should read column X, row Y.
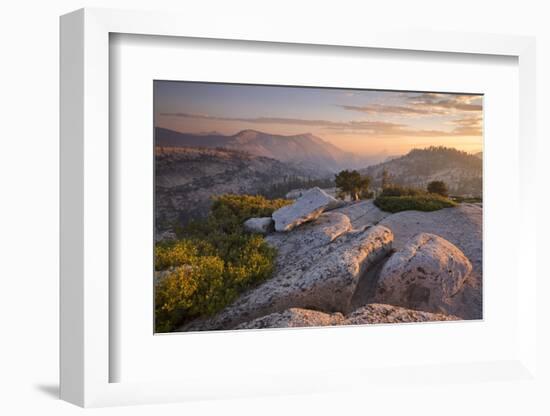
column 288, row 206
column 241, row 212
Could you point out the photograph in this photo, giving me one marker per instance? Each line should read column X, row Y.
column 282, row 206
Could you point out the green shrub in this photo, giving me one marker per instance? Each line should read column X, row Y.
column 396, row 190
column 425, row 202
column 243, row 207
column 466, row 199
column 438, row 187
column 188, row 290
column 213, row 261
column 181, row 252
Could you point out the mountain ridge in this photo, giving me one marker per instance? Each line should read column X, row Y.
column 461, row 171
column 304, row 150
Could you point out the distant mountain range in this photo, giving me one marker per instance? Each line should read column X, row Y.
column 461, row 171
column 306, row 151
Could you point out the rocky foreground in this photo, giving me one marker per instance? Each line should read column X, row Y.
column 355, row 264
column 369, row 314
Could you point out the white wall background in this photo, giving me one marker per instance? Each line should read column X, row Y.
column 29, row 207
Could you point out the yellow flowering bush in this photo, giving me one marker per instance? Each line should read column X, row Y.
column 212, row 262
column 188, row 290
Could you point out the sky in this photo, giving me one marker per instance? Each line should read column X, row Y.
column 365, row 122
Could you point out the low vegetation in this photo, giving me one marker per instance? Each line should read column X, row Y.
column 427, row 202
column 438, row 187
column 395, row 198
column 470, row 200
column 212, row 261
column 396, row 190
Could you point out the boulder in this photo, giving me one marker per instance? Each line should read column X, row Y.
column 375, row 313
column 366, row 315
column 294, row 318
column 320, row 275
column 306, row 208
column 262, row 225
column 463, row 227
column 424, row 275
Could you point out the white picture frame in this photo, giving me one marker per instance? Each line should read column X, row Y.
column 85, row 216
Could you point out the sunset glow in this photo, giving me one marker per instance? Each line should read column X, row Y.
column 366, row 122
